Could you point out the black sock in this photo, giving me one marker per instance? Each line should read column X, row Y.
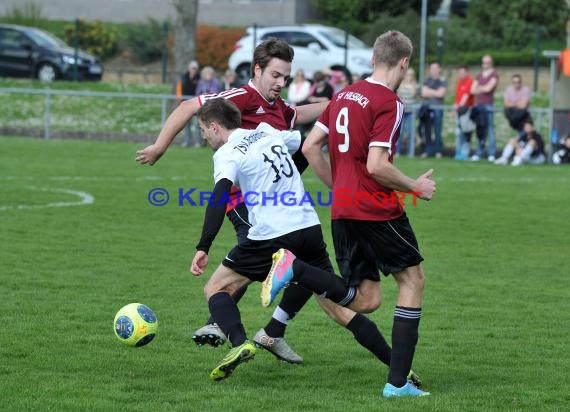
column 323, row 283
column 236, row 299
column 294, row 298
column 404, row 340
column 226, row 314
column 275, row 329
column 367, row 334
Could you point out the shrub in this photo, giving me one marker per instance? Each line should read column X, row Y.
column 461, row 37
column 145, row 41
column 214, row 45
column 93, row 37
column 500, row 57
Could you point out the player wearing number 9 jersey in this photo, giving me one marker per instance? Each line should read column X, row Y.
column 361, row 126
column 364, row 115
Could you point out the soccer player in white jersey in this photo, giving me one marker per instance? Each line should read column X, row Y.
column 260, row 161
column 361, row 126
column 258, row 101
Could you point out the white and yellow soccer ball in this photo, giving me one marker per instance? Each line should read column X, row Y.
column 135, row 324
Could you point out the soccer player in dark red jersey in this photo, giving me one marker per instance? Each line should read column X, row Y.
column 361, row 126
column 260, row 101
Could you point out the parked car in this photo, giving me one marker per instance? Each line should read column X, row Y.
column 316, row 47
column 31, row 52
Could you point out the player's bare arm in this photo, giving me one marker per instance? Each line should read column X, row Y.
column 173, row 125
column 313, row 151
column 384, row 172
column 308, row 113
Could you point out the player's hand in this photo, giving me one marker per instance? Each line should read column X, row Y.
column 199, row 263
column 426, row 186
column 149, row 155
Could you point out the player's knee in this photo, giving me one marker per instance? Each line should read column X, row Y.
column 366, row 304
column 415, row 282
column 371, row 305
column 210, row 288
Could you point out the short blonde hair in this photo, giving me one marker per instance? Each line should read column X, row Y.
column 391, row 47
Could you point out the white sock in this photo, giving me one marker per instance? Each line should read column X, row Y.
column 508, row 151
column 527, row 151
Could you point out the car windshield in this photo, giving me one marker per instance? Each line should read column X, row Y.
column 337, row 37
column 44, row 39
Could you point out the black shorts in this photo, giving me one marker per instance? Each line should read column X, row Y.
column 252, row 258
column 240, row 219
column 363, row 247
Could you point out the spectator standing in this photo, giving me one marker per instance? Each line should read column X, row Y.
column 321, row 91
column 516, row 101
column 484, row 88
column 299, row 89
column 186, row 86
column 208, row 83
column 407, row 92
column 461, row 111
column 337, row 79
column 433, row 92
column 230, row 80
column 342, row 82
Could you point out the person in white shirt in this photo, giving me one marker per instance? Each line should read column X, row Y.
column 299, row 89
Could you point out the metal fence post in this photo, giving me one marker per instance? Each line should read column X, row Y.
column 47, row 115
column 412, row 135
column 163, row 113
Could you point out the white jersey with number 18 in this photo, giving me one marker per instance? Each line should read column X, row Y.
column 259, row 162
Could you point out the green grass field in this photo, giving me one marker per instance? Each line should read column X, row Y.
column 494, row 335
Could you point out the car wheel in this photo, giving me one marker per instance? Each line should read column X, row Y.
column 243, row 73
column 46, row 72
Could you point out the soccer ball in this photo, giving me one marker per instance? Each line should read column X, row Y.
column 135, row 324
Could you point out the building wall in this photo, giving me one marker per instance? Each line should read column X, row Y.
column 214, row 12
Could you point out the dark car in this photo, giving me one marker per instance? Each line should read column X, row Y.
column 31, row 52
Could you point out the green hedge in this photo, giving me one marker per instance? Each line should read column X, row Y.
column 500, row 58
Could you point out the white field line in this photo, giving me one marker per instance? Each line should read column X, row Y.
column 84, row 199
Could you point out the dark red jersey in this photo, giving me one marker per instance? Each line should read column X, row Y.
column 363, row 115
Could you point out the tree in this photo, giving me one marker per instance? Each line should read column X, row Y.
column 514, row 22
column 185, row 23
column 367, row 11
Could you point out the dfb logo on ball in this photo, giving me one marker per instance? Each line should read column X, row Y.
column 135, row 324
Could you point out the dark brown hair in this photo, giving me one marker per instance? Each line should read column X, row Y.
column 269, row 49
column 221, row 111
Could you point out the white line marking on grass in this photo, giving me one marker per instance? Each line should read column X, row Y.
column 85, row 199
